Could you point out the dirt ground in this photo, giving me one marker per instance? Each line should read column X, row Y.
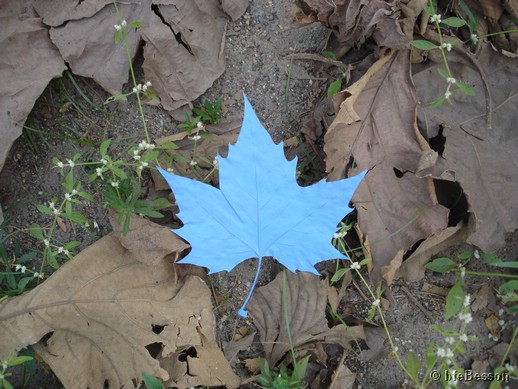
column 282, row 92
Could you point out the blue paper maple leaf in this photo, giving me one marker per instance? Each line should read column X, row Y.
column 259, row 209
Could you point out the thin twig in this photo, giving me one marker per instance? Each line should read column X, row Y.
column 320, row 58
column 417, row 303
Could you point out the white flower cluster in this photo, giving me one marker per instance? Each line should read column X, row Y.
column 435, row 18
column 355, row 265
column 119, row 27
column 55, row 211
column 142, row 87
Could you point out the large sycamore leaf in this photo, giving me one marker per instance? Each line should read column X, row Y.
column 479, row 132
column 259, row 209
column 94, row 320
column 376, row 128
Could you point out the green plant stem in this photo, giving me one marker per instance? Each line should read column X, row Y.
column 286, row 318
column 511, row 343
column 489, row 274
column 385, row 326
column 441, row 41
column 133, row 78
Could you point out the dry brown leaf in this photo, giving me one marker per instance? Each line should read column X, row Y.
column 183, row 54
column 377, row 122
column 236, row 345
column 375, row 339
column 234, row 8
column 92, row 320
column 88, row 44
column 343, row 378
column 306, row 297
column 56, row 12
column 484, row 299
column 480, row 137
column 200, row 364
column 434, row 289
column 395, row 213
column 353, row 21
column 413, row 267
column 149, row 242
column 28, row 62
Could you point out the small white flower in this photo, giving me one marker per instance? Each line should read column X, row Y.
column 135, row 90
column 474, row 39
column 448, row 353
column 115, row 184
column 61, row 249
column 215, row 163
column 117, row 27
column 450, row 339
column 451, row 80
column 200, row 125
column 36, row 275
column 144, row 87
column 148, row 84
column 18, row 267
column 56, row 212
column 71, row 163
column 150, row 146
column 447, row 94
column 467, row 300
column 193, row 162
column 463, row 338
column 67, row 196
column 60, row 164
column 46, row 242
column 195, row 137
column 476, row 254
column 104, row 161
column 446, row 46
column 23, row 269
column 139, row 87
column 376, row 303
column 435, row 18
column 42, row 275
column 466, row 317
column 355, row 266
column 99, row 171
column 143, row 145
column 170, row 170
column 144, row 164
column 136, row 157
column 66, row 252
column 441, row 353
column 124, row 23
column 52, row 205
column 74, row 192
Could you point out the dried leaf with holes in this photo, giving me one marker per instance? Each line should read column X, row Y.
column 107, row 317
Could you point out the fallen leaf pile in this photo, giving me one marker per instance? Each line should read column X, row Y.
column 183, row 50
column 423, row 161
